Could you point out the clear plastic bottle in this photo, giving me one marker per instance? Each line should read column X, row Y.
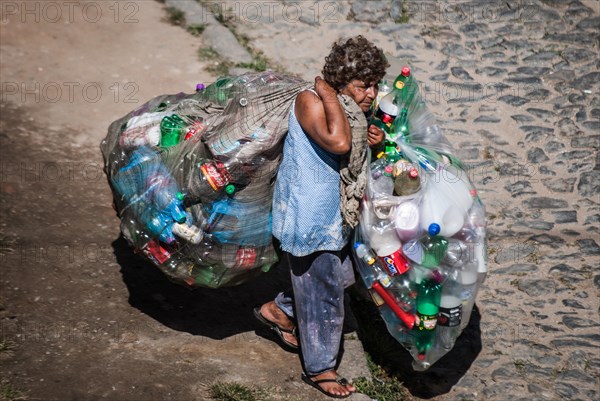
column 388, row 248
column 434, row 247
column 384, row 184
column 383, row 89
column 135, row 137
column 407, row 180
column 450, row 314
column 212, row 179
column 378, row 166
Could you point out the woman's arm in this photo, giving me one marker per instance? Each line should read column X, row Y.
column 324, row 119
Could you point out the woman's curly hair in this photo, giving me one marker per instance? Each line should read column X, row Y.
column 356, row 58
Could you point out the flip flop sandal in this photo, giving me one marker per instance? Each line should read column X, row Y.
column 278, row 330
column 315, row 384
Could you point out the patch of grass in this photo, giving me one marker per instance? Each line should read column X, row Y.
column 404, row 16
column 520, row 364
column 196, row 30
column 9, row 393
column 230, row 391
column 383, row 387
column 215, row 63
column 259, row 62
column 208, row 53
column 533, row 258
column 7, row 347
column 175, row 16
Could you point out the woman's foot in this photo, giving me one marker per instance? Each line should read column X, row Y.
column 331, row 384
column 272, row 314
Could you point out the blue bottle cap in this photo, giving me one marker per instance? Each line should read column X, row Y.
column 357, row 244
column 434, row 229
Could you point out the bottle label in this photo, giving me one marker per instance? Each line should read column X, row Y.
column 376, row 298
column 368, row 259
column 426, row 322
column 134, row 138
column 384, row 280
column 192, row 234
column 194, row 129
column 155, row 252
column 387, row 119
column 246, row 257
column 223, row 145
column 450, row 317
column 216, row 175
column 395, row 263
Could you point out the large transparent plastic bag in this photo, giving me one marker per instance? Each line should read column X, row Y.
column 420, row 245
column 192, row 177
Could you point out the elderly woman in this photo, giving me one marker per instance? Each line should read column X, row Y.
column 307, row 218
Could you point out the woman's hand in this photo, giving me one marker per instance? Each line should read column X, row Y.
column 325, row 91
column 375, row 135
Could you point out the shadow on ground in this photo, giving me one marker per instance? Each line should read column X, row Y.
column 388, row 353
column 214, row 313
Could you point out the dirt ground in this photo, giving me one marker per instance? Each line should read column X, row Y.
column 86, row 318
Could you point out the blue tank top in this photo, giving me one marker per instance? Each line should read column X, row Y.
column 306, row 201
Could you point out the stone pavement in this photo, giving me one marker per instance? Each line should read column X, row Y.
column 516, row 86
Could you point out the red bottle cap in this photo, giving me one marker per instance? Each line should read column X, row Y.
column 405, row 71
column 413, row 173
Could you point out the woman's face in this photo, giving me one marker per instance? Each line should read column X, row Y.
column 363, row 93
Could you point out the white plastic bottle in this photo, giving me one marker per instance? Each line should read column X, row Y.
column 388, row 248
column 406, row 220
column 446, row 201
column 191, row 233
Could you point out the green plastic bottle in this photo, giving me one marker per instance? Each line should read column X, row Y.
column 402, row 93
column 429, row 296
column 171, row 128
column 434, row 247
column 400, row 125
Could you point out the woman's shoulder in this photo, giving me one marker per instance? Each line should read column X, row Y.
column 308, row 103
column 308, row 96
